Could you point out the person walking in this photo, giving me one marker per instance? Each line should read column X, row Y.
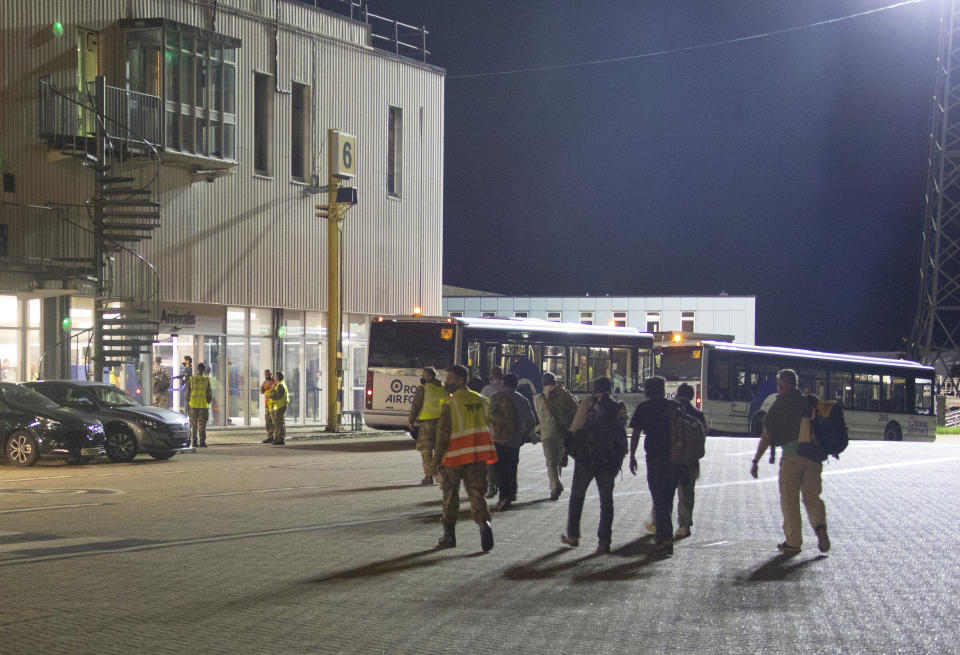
column 464, row 449
column 688, row 473
column 652, row 418
column 600, row 423
column 782, row 426
column 495, row 386
column 496, row 383
column 423, row 417
column 280, row 397
column 161, row 384
column 556, row 409
column 198, row 400
column 265, row 388
column 511, row 420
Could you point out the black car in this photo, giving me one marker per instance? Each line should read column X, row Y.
column 31, row 427
column 131, row 428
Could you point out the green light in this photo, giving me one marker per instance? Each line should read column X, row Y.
column 66, row 323
column 281, row 332
column 57, row 29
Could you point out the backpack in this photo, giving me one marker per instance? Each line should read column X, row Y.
column 524, row 419
column 162, row 383
column 562, row 405
column 688, row 437
column 602, row 441
column 829, row 428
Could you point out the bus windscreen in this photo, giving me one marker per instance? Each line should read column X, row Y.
column 679, row 363
column 411, row 345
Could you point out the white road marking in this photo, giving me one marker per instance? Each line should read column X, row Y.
column 262, row 491
column 40, row 509
column 52, row 543
column 718, row 543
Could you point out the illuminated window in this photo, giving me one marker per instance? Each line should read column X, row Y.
column 586, row 318
column 192, row 75
column 554, row 316
column 520, row 314
column 619, row 319
column 653, row 321
column 686, row 322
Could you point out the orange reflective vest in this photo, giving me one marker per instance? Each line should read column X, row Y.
column 470, row 439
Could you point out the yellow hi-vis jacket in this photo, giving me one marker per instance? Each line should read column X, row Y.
column 470, row 439
column 265, row 389
column 280, row 395
column 199, row 390
column 434, row 396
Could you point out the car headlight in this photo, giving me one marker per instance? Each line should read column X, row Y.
column 48, row 424
column 149, row 424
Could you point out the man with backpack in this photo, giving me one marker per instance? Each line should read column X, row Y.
column 690, row 471
column 652, row 418
column 782, row 427
column 511, row 421
column 556, row 409
column 598, row 444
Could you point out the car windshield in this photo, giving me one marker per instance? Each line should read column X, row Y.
column 17, row 396
column 113, row 397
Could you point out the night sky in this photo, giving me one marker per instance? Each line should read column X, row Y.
column 790, row 167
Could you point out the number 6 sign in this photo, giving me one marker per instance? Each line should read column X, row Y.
column 343, row 154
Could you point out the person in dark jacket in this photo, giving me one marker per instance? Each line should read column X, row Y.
column 596, row 414
column 652, row 418
column 689, row 473
column 511, row 419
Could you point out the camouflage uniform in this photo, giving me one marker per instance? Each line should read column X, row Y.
column 473, row 475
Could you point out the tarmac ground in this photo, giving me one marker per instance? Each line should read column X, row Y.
column 328, row 546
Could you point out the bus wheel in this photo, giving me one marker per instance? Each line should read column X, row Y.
column 756, row 425
column 892, row 432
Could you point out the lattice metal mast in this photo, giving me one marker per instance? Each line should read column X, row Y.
column 935, row 338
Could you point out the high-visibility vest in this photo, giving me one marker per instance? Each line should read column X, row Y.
column 470, row 439
column 283, row 401
column 199, row 385
column 268, row 386
column 434, row 396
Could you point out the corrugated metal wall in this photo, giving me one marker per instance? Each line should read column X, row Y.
column 246, row 239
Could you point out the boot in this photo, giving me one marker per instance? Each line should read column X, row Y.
column 486, row 536
column 449, row 538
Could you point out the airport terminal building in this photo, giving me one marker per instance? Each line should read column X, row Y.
column 734, row 316
column 162, row 163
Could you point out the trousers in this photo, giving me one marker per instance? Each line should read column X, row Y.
column 583, row 474
column 506, row 468
column 685, row 494
column 662, row 475
column 279, row 424
column 474, row 477
column 799, row 475
column 426, row 442
column 553, row 454
column 198, row 424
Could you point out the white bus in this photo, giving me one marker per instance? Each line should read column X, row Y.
column 676, row 358
column 576, row 354
column 881, row 398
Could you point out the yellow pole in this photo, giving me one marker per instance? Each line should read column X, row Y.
column 334, row 356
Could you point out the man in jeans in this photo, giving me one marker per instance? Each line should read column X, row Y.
column 652, row 417
column 690, row 472
column 605, row 417
column 781, row 427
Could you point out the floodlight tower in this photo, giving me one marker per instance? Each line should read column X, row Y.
column 935, row 338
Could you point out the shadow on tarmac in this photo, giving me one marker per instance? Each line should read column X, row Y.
column 780, row 567
column 541, row 568
column 382, row 567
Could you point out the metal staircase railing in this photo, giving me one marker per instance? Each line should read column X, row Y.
column 95, row 127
